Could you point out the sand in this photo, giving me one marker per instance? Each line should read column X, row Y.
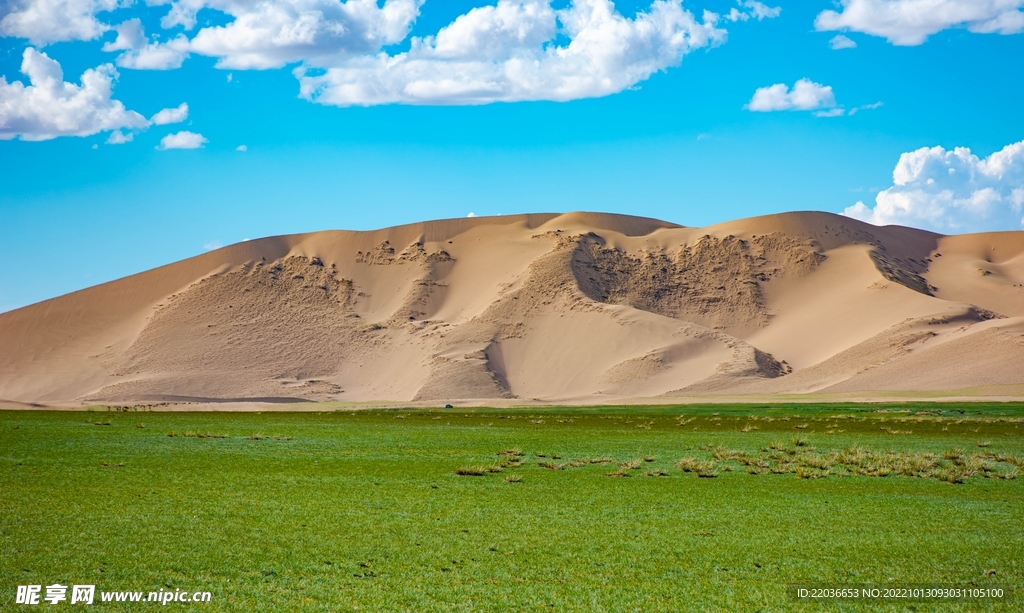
column 577, row 308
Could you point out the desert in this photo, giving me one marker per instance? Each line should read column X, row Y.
column 576, row 308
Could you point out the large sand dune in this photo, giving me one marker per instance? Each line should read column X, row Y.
column 580, row 307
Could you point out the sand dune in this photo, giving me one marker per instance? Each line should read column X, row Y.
column 578, row 308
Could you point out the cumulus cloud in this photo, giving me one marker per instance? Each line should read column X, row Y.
column 182, row 140
column 806, row 95
column 911, row 22
column 520, row 50
column 952, row 191
column 49, row 21
column 839, row 41
column 272, row 33
column 241, row 148
column 753, row 9
column 175, row 115
column 514, row 50
column 140, row 53
column 49, row 107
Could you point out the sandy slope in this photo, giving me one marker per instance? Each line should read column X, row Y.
column 580, row 307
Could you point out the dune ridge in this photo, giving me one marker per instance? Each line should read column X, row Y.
column 556, row 308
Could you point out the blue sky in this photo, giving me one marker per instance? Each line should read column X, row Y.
column 707, row 120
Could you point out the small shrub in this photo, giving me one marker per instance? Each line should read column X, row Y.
column 630, row 465
column 471, row 471
column 703, row 468
column 954, row 454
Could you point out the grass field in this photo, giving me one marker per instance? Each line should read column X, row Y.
column 347, row 511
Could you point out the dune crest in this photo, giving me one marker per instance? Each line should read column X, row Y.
column 576, row 308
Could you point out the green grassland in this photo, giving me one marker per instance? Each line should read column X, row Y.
column 560, row 509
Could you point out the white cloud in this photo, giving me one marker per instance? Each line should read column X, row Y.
column 49, row 107
column 952, row 191
column 182, row 140
column 241, row 148
column 865, row 107
column 806, row 95
column 214, row 244
column 512, row 52
column 911, row 22
column 49, row 21
column 141, row 54
column 272, row 33
column 755, row 9
column 120, row 138
column 175, row 115
column 471, row 214
column 839, row 41
column 835, row 112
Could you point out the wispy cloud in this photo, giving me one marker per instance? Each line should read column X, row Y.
column 865, row 107
column 751, row 9
column 839, row 41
